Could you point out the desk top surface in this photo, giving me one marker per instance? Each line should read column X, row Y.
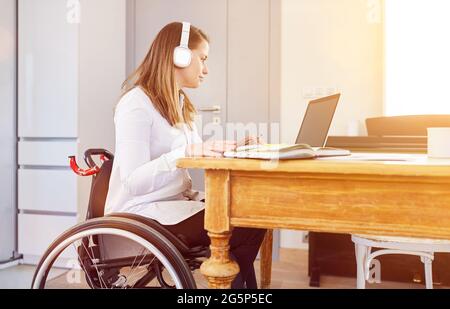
column 357, row 163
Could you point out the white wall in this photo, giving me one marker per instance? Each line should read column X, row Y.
column 330, row 45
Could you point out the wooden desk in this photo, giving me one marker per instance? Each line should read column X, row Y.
column 383, row 198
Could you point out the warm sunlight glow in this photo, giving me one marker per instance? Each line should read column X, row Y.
column 417, row 57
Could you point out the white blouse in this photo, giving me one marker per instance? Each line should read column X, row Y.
column 145, row 179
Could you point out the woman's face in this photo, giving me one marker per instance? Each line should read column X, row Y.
column 194, row 74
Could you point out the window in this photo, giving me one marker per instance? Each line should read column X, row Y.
column 417, row 57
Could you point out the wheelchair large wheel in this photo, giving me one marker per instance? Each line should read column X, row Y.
column 112, row 252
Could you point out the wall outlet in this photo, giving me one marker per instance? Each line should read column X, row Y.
column 331, row 90
column 308, row 93
column 305, row 237
column 318, row 92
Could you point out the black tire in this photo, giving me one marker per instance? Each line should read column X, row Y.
column 121, row 225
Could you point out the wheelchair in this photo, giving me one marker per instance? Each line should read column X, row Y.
column 116, row 251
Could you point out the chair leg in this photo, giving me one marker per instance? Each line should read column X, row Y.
column 428, row 271
column 361, row 253
column 266, row 260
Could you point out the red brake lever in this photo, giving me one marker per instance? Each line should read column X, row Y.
column 80, row 172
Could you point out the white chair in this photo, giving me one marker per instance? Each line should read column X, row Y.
column 424, row 248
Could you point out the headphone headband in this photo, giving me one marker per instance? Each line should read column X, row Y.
column 185, row 35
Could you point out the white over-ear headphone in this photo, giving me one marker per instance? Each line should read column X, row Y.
column 182, row 55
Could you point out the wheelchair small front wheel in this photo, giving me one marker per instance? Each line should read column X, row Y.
column 112, row 253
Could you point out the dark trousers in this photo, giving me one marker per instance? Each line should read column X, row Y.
column 244, row 246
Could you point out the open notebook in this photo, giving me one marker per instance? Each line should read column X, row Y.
column 284, row 151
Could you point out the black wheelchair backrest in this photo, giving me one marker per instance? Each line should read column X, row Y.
column 100, row 179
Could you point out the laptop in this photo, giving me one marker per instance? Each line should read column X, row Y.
column 317, row 121
column 313, row 132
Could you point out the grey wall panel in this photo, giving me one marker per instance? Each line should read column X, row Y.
column 248, row 61
column 48, row 68
column 7, row 128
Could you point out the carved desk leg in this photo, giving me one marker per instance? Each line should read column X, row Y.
column 219, row 269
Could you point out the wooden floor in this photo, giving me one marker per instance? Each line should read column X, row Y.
column 290, row 272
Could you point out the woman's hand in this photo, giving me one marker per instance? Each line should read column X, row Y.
column 214, row 149
column 250, row 140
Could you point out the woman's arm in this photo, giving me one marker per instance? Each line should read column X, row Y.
column 139, row 173
column 209, row 148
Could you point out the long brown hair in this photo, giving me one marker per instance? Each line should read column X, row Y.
column 156, row 75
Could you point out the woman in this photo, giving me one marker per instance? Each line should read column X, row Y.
column 154, row 128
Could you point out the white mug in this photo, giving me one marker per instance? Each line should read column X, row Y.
column 439, row 143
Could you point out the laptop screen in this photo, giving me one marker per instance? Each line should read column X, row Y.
column 317, row 121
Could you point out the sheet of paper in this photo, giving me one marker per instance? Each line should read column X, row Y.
column 376, row 157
